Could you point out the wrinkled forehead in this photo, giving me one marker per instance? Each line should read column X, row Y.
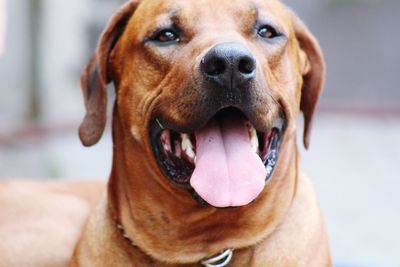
column 196, row 15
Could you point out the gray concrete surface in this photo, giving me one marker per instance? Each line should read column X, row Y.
column 353, row 161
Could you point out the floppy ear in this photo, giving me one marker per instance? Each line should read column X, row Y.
column 95, row 77
column 313, row 71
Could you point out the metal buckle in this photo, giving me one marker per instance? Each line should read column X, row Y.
column 220, row 260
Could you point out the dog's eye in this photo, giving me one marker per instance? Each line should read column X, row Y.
column 166, row 36
column 267, row 32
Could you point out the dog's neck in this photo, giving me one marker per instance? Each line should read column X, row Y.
column 220, row 259
column 167, row 223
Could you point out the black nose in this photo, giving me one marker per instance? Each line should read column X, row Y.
column 229, row 65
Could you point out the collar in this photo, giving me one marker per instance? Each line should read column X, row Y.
column 221, row 259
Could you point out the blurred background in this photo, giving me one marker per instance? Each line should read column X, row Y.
column 354, row 160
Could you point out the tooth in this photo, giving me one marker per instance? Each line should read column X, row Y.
column 269, row 170
column 187, row 146
column 178, row 149
column 166, row 140
column 253, row 138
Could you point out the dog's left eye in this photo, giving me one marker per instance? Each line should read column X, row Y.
column 267, row 32
column 166, row 36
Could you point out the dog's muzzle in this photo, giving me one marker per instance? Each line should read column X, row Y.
column 224, row 161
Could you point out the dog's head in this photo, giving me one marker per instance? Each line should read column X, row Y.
column 211, row 91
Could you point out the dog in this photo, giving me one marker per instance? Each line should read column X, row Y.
column 205, row 168
column 40, row 222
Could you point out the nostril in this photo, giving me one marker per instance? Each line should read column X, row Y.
column 247, row 65
column 214, row 66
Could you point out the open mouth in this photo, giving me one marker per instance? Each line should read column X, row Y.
column 226, row 163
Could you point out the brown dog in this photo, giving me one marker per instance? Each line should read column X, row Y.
column 40, row 222
column 207, row 98
column 205, row 166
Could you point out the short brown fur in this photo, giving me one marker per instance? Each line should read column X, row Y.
column 163, row 221
column 284, row 226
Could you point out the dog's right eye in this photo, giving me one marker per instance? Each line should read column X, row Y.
column 268, row 32
column 166, row 36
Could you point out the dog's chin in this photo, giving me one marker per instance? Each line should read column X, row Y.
column 224, row 164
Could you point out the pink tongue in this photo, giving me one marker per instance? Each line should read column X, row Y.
column 228, row 172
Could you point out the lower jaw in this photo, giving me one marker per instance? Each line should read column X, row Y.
column 179, row 171
column 184, row 180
